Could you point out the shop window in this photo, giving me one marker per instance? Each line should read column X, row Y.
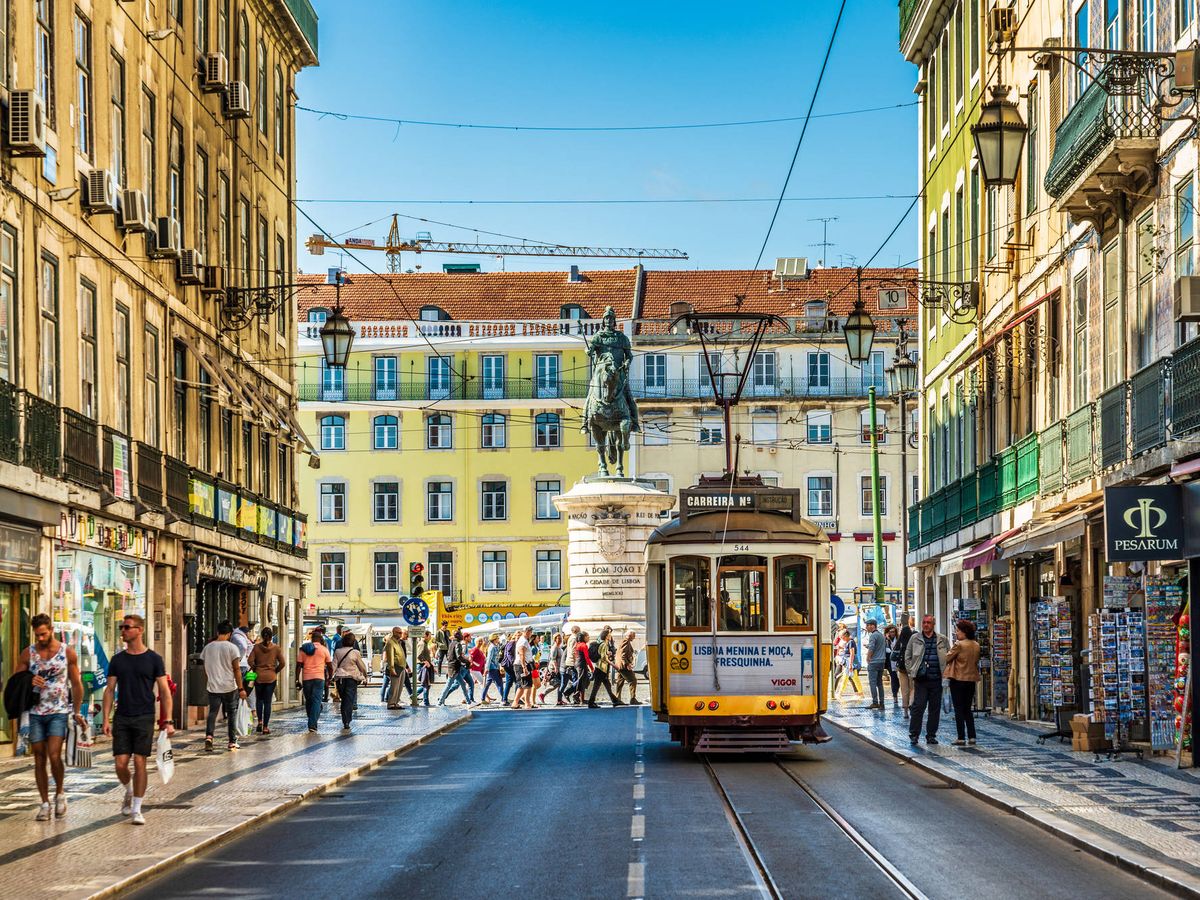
column 690, row 577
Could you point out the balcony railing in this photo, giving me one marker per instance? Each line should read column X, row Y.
column 359, row 387
column 1027, row 468
column 1114, row 426
column 1081, row 443
column 41, row 449
column 907, row 9
column 306, row 19
column 1148, row 413
column 1185, row 389
column 1006, row 460
column 10, row 422
column 177, row 483
column 81, row 449
column 418, row 330
column 150, row 475
column 1050, row 457
column 1112, row 107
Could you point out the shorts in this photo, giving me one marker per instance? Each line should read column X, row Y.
column 526, row 679
column 132, row 735
column 49, row 725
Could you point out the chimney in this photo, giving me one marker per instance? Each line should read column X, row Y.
column 574, row 277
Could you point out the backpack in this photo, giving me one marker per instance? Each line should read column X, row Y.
column 594, row 652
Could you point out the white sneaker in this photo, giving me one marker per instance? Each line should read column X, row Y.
column 60, row 806
column 137, row 819
column 127, row 805
column 44, row 813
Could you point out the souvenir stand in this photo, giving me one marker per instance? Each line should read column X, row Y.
column 1165, row 677
column 973, row 611
column 1117, row 660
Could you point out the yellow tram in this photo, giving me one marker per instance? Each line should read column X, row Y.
column 737, row 619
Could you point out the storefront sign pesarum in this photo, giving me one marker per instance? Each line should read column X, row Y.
column 1143, row 523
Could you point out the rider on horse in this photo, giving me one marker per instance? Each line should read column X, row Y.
column 614, row 344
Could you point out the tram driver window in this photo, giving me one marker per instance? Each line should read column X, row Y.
column 742, row 593
column 689, row 592
column 794, row 605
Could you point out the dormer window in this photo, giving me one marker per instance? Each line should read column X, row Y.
column 317, row 315
column 434, row 314
column 816, row 309
column 572, row 311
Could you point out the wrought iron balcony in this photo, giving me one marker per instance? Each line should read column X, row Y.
column 305, row 18
column 1050, row 458
column 1185, row 389
column 1148, row 413
column 10, row 422
column 1081, row 444
column 1109, row 138
column 177, row 487
column 1114, row 426
column 81, row 449
column 41, row 449
column 150, row 475
column 907, row 9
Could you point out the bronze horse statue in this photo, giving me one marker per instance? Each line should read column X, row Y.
column 608, row 415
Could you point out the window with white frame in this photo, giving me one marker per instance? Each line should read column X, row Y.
column 764, row 428
column 1185, row 226
column 387, row 572
column 868, row 565
column 873, row 371
column 495, row 570
column 387, row 433
column 439, row 501
column 495, row 500
column 387, row 501
column 654, row 368
column 333, row 432
column 387, row 371
column 1079, row 341
column 546, row 374
column 655, row 431
column 333, row 382
column 820, row 496
column 819, row 425
column 549, row 570
column 438, row 377
column 818, row 369
column 441, row 571
column 544, row 494
column 765, row 371
column 333, row 572
column 866, row 494
column 492, row 367
column 439, row 432
column 493, row 431
column 547, row 430
column 712, row 430
column 333, row 501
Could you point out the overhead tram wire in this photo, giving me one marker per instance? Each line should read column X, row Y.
column 600, row 201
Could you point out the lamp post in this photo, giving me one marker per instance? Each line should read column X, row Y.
column 902, row 376
column 999, row 136
column 337, row 335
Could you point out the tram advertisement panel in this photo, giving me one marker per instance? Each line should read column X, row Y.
column 755, row 664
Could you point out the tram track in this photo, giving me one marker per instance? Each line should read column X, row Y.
column 758, row 857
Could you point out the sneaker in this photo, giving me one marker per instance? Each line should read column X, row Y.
column 127, row 803
column 312, row 731
column 44, row 813
column 137, row 819
column 208, row 745
column 258, row 729
column 617, row 703
column 960, row 743
column 970, row 742
column 345, row 728
column 931, row 740
column 913, row 741
column 234, row 745
column 60, row 806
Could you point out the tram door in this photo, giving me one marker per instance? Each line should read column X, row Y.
column 743, row 598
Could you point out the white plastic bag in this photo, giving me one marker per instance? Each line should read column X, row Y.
column 22, row 745
column 166, row 757
column 241, row 721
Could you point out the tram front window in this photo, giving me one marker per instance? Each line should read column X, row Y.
column 742, row 605
column 793, row 608
column 689, row 592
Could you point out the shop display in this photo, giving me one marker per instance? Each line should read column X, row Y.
column 973, row 611
column 1164, row 598
column 1122, row 591
column 1053, row 655
column 1117, row 641
column 1183, row 640
column 1001, row 662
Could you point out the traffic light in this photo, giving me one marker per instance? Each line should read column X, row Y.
column 416, row 579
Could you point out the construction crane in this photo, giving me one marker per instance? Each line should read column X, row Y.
column 422, row 243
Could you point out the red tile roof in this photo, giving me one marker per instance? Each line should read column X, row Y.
column 541, row 295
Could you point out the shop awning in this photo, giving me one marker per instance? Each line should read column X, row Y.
column 952, row 563
column 1043, row 537
column 1183, row 469
column 989, row 550
column 1017, row 319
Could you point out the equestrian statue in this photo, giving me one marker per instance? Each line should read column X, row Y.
column 610, row 414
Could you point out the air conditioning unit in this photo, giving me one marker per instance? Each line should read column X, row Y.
column 1002, row 23
column 100, row 191
column 167, row 238
column 237, row 100
column 215, row 73
column 135, row 212
column 1187, row 298
column 212, row 280
column 190, row 266
column 26, row 124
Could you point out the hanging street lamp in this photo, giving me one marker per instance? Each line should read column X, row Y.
column 859, row 332
column 337, row 334
column 999, row 136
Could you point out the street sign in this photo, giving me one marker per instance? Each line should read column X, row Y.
column 893, row 298
column 837, row 607
column 415, row 611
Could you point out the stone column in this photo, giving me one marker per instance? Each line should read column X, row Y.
column 608, row 522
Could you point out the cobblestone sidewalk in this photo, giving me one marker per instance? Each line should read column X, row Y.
column 1142, row 814
column 95, row 851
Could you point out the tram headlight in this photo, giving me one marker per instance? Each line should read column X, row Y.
column 770, row 704
column 785, row 704
column 713, row 704
column 699, row 704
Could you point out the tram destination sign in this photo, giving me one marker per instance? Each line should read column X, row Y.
column 693, row 501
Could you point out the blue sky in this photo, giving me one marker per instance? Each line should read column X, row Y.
column 618, row 63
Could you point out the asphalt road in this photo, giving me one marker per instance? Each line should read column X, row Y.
column 572, row 803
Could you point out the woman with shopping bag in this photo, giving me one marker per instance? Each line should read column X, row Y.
column 349, row 671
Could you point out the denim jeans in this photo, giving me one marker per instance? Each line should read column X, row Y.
column 314, row 691
column 387, row 683
column 264, row 696
column 458, row 680
column 510, row 679
column 875, row 676
column 496, row 677
column 226, row 701
column 348, row 691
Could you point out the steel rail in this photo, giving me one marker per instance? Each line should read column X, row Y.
column 766, row 884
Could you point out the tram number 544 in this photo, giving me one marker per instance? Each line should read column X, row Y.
column 741, row 548
column 681, row 655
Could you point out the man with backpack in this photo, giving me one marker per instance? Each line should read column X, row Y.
column 602, row 652
column 458, row 669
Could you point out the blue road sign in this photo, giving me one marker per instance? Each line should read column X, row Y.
column 415, row 611
column 837, row 607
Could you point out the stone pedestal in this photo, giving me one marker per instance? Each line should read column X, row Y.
column 608, row 522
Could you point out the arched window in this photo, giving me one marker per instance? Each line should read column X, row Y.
column 260, row 89
column 280, row 125
column 493, row 431
column 434, row 314
column 439, row 432
column 333, row 433
column 387, row 433
column 243, row 47
column 547, row 431
column 864, row 419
